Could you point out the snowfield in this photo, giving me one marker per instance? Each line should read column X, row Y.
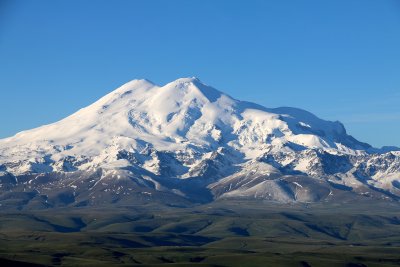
column 189, row 130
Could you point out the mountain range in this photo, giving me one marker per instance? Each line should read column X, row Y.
column 186, row 142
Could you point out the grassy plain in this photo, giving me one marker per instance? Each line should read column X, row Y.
column 224, row 233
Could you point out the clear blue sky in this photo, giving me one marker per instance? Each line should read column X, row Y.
column 337, row 59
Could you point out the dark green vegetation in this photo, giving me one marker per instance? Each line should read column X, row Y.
column 234, row 233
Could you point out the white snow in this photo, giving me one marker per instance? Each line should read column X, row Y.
column 184, row 117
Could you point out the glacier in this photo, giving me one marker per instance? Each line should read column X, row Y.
column 186, row 140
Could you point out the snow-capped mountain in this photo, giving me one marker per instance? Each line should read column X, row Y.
column 188, row 140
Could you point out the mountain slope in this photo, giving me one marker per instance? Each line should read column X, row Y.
column 191, row 141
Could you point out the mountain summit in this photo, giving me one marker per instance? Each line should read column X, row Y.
column 186, row 134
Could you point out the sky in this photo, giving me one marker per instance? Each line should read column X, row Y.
column 337, row 59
